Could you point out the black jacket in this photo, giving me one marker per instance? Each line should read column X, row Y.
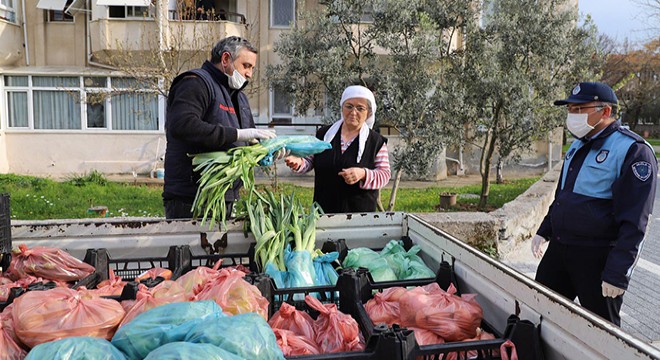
column 203, row 113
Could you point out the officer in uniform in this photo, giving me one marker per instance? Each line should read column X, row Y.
column 596, row 224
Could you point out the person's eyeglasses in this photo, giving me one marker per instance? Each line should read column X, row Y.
column 578, row 109
column 359, row 109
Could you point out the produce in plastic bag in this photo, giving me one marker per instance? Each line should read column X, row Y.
column 9, row 348
column 371, row 260
column 293, row 344
column 324, row 269
column 300, row 268
column 76, row 348
column 7, row 321
column 166, row 274
column 43, row 316
column 234, row 294
column 449, row 316
column 384, row 307
column 166, row 292
column 296, row 145
column 335, row 331
column 49, row 263
column 289, row 318
column 405, row 264
column 111, row 287
column 195, row 279
column 246, row 335
column 191, row 351
column 162, row 325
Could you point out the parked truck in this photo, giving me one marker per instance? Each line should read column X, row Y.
column 567, row 331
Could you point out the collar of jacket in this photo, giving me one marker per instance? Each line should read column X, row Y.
column 598, row 141
column 220, row 77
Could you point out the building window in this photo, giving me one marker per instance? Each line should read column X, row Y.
column 7, row 10
column 281, row 106
column 127, row 12
column 80, row 103
column 60, row 15
column 282, row 13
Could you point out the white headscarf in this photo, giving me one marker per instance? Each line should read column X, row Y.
column 355, row 91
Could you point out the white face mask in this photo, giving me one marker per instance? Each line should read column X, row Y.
column 577, row 124
column 236, row 80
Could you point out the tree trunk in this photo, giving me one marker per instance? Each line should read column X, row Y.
column 487, row 158
column 395, row 188
column 499, row 176
column 379, row 203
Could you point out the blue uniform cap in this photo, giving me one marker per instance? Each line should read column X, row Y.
column 586, row 92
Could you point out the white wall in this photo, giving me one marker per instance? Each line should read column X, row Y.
column 60, row 154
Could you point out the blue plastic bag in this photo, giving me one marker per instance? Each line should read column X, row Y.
column 325, row 271
column 278, row 276
column 300, row 268
column 162, row 325
column 297, row 145
column 76, row 348
column 246, row 335
column 191, row 351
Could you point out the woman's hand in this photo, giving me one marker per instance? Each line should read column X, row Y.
column 353, row 175
column 293, row 162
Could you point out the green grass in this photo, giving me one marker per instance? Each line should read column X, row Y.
column 35, row 198
column 654, row 142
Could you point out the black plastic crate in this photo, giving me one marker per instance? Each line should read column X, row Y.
column 5, row 224
column 190, row 261
column 130, row 268
column 18, row 291
column 522, row 333
column 381, row 342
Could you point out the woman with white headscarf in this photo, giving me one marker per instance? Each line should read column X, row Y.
column 348, row 176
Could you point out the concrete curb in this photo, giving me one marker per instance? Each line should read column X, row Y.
column 506, row 228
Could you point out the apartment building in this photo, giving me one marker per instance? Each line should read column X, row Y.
column 64, row 109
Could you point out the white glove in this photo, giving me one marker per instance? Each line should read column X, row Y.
column 611, row 290
column 537, row 246
column 251, row 135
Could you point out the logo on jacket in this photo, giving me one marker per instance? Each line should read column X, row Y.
column 602, row 155
column 226, row 108
column 570, row 153
column 642, row 170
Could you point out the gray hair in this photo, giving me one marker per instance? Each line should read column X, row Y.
column 231, row 45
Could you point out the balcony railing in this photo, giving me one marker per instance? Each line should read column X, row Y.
column 208, row 16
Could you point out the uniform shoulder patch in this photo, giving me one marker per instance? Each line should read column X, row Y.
column 642, row 170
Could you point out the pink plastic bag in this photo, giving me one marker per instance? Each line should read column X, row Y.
column 288, row 318
column 293, row 344
column 154, row 273
column 449, row 316
column 49, row 263
column 111, row 287
column 5, row 289
column 197, row 278
column 9, row 350
column 384, row 307
column 7, row 321
column 166, row 292
column 334, row 330
column 42, row 316
column 234, row 294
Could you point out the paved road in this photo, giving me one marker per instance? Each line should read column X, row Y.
column 640, row 314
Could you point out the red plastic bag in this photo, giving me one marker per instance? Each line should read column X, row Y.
column 334, row 330
column 7, row 321
column 154, row 273
column 166, row 292
column 5, row 289
column 196, row 279
column 426, row 337
column 449, row 316
column 111, row 287
column 49, row 263
column 288, row 318
column 9, row 349
column 293, row 344
column 234, row 294
column 384, row 307
column 42, row 316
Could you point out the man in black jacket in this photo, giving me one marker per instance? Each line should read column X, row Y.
column 207, row 111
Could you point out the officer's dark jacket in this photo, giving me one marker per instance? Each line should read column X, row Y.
column 203, row 113
column 604, row 198
column 330, row 189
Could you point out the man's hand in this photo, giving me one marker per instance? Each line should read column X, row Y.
column 293, row 162
column 353, row 175
column 538, row 243
column 611, row 290
column 252, row 135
